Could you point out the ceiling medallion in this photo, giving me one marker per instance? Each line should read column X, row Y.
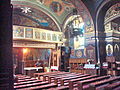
column 78, row 53
column 55, row 6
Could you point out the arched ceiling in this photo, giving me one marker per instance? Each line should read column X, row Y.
column 53, row 13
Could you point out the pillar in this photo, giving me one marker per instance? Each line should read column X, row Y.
column 6, row 62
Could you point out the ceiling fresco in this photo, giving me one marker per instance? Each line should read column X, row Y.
column 53, row 11
column 23, row 16
column 52, row 14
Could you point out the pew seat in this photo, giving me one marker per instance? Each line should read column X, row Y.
column 47, row 86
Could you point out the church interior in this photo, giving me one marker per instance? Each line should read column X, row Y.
column 59, row 45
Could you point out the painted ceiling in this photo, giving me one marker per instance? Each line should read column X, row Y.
column 49, row 14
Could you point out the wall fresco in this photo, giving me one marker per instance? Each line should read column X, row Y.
column 18, row 32
column 55, row 6
column 29, row 33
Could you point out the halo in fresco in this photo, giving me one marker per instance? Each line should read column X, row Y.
column 67, row 8
column 29, row 33
column 55, row 6
column 109, row 49
column 78, row 53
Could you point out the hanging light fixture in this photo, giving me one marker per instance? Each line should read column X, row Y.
column 75, row 25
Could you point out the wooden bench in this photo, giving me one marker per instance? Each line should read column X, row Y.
column 20, row 75
column 113, row 86
column 4, row 86
column 27, row 82
column 62, row 76
column 19, row 78
column 57, row 74
column 103, row 83
column 74, row 81
column 118, row 88
column 24, row 80
column 45, row 73
column 68, row 81
column 47, row 86
column 30, row 85
column 63, row 80
column 88, row 81
column 60, row 88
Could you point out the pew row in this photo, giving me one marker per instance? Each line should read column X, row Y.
column 102, row 84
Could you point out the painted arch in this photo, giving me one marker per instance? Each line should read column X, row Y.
column 55, row 15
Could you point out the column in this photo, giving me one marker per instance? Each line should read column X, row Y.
column 6, row 62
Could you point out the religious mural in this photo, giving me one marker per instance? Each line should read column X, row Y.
column 109, row 50
column 113, row 11
column 37, row 35
column 116, row 48
column 60, row 37
column 23, row 21
column 18, row 32
column 60, row 11
column 90, row 52
column 54, row 37
column 112, row 29
column 43, row 35
column 79, row 53
column 117, row 52
column 29, row 33
column 56, row 6
column 48, row 36
column 21, row 32
column 60, row 8
column 39, row 54
column 82, row 35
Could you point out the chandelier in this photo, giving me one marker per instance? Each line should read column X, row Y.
column 76, row 24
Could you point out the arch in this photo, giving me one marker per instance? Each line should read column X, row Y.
column 84, row 13
column 39, row 8
column 112, row 13
column 69, row 19
column 100, row 35
column 101, row 12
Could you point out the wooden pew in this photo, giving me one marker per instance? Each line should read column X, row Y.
column 24, row 80
column 74, row 81
column 47, row 86
column 19, row 78
column 45, row 73
column 102, row 84
column 87, row 82
column 118, row 88
column 27, row 82
column 57, row 74
column 30, row 85
column 4, row 86
column 63, row 80
column 60, row 88
column 62, row 76
column 113, row 86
